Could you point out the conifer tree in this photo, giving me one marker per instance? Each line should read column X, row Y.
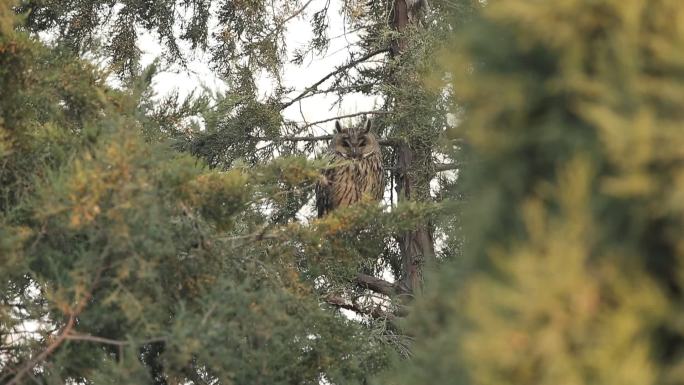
column 572, row 115
column 125, row 261
column 245, row 128
column 137, row 254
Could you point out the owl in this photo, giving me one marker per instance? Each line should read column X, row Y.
column 356, row 171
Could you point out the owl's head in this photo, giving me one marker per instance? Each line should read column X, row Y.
column 356, row 142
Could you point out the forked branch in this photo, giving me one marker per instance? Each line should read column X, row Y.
column 65, row 330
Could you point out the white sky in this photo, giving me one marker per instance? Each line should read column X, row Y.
column 298, row 34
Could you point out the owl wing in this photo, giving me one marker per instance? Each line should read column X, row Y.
column 380, row 187
column 324, row 201
column 380, row 190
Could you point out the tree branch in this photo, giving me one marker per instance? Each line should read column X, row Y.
column 48, row 350
column 296, row 13
column 374, row 312
column 108, row 341
column 379, row 285
column 281, row 24
column 439, row 167
column 66, row 330
column 375, row 112
column 328, row 76
column 296, row 138
column 391, row 142
column 340, row 89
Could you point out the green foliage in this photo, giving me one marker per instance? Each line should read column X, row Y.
column 142, row 264
column 77, row 25
column 138, row 264
column 250, row 34
column 572, row 269
column 234, row 126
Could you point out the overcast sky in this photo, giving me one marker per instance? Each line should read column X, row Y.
column 299, row 77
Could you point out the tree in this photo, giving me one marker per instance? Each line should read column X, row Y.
column 571, row 273
column 215, row 233
column 124, row 261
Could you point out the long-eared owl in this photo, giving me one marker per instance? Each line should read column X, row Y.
column 356, row 169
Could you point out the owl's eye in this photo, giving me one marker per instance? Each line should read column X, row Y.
column 345, row 143
column 362, row 142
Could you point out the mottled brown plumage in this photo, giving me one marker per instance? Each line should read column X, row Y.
column 356, row 173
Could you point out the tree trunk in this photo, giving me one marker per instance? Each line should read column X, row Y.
column 417, row 245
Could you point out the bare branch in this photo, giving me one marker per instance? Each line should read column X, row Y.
column 296, row 138
column 392, row 142
column 328, row 76
column 379, row 285
column 383, row 142
column 341, row 89
column 296, row 13
column 439, row 167
column 372, row 311
column 376, row 112
column 281, row 24
column 65, row 331
column 108, row 341
column 45, row 353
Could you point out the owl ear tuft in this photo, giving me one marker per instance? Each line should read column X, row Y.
column 367, row 125
column 338, row 126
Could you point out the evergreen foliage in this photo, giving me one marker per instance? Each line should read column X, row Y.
column 572, row 114
column 125, row 261
column 140, row 246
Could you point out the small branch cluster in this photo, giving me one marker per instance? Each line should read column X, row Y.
column 65, row 331
column 338, row 70
column 374, row 311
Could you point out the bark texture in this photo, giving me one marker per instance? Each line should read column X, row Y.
column 411, row 176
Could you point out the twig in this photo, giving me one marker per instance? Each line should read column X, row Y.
column 50, row 348
column 375, row 112
column 109, row 341
column 66, row 330
column 391, row 142
column 301, row 112
column 295, row 138
column 340, row 89
column 296, row 13
column 372, row 311
column 279, row 27
column 439, row 167
column 328, row 76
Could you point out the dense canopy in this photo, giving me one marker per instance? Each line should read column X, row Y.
column 528, row 233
